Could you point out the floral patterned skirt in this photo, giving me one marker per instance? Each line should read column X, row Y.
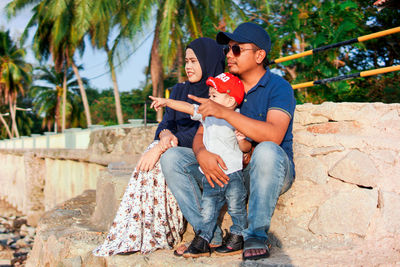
column 148, row 217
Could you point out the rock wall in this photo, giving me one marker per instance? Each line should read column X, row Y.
column 347, row 186
column 36, row 180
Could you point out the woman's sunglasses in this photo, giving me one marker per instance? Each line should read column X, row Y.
column 236, row 49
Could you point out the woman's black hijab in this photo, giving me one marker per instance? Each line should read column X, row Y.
column 212, row 61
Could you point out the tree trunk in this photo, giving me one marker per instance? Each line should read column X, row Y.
column 83, row 94
column 12, row 106
column 64, row 99
column 6, row 126
column 180, row 62
column 57, row 124
column 156, row 68
column 118, row 108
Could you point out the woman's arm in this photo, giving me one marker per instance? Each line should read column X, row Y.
column 149, row 159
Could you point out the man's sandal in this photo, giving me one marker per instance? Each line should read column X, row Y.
column 253, row 243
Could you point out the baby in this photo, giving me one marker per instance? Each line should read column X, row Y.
column 219, row 137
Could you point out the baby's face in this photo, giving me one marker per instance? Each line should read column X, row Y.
column 220, row 98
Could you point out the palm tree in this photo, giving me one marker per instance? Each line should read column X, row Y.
column 176, row 22
column 102, row 24
column 61, row 26
column 5, row 125
column 14, row 75
column 48, row 96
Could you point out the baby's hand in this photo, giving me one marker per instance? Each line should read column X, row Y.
column 158, row 102
column 239, row 136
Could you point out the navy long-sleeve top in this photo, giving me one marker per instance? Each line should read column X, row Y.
column 212, row 61
column 179, row 123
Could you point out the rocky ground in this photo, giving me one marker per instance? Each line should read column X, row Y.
column 65, row 237
column 16, row 237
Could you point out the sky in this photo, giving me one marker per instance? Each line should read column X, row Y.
column 130, row 74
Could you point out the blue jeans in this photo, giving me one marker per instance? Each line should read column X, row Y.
column 234, row 193
column 269, row 174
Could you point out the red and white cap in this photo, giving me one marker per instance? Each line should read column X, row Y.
column 229, row 84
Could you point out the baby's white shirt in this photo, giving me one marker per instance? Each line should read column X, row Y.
column 219, row 138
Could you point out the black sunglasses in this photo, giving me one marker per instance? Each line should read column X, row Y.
column 236, row 49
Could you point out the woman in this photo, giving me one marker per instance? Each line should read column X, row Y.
column 149, row 217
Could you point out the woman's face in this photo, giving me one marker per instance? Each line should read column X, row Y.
column 192, row 66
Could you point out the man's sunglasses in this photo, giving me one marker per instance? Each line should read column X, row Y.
column 236, row 49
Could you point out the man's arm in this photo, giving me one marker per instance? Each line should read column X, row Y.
column 273, row 129
column 210, row 163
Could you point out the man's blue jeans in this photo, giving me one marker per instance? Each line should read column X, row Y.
column 269, row 173
column 234, row 193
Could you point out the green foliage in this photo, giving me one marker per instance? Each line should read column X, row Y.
column 15, row 77
column 132, row 105
column 47, row 97
column 297, row 26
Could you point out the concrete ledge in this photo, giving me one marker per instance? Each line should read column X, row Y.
column 109, row 192
column 82, row 155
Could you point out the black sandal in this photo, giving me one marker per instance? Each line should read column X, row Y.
column 253, row 243
column 186, row 245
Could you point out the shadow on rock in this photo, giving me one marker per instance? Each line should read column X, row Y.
column 277, row 256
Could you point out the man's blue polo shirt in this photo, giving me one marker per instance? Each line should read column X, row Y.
column 271, row 92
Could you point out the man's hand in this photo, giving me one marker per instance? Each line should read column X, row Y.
column 211, row 165
column 158, row 103
column 209, row 107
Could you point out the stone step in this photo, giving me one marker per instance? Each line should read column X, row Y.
column 111, row 185
column 65, row 237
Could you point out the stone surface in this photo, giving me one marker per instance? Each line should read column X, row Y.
column 35, row 176
column 356, row 168
column 326, row 150
column 121, row 141
column 65, row 232
column 343, row 127
column 310, row 168
column 70, row 262
column 337, row 111
column 72, row 248
column 14, row 246
column 391, row 212
column 349, row 212
column 110, row 189
column 302, row 115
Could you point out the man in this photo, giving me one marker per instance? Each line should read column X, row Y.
column 266, row 118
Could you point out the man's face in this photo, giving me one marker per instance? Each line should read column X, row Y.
column 245, row 61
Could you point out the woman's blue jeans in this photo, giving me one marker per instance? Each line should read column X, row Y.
column 269, row 174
